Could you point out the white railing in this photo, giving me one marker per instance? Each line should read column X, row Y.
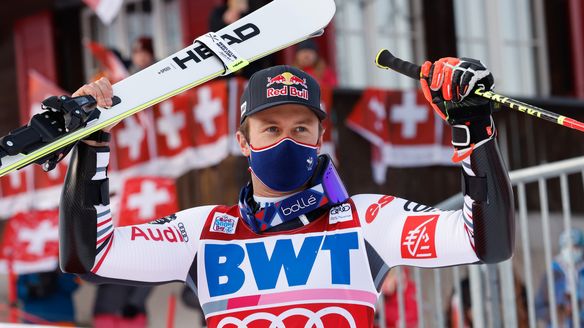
column 492, row 287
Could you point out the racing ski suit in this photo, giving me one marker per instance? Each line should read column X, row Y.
column 326, row 273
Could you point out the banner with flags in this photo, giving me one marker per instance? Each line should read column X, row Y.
column 188, row 131
column 403, row 128
column 31, row 242
column 192, row 130
column 17, row 188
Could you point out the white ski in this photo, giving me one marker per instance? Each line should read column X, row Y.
column 273, row 27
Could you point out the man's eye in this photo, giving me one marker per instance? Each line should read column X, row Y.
column 301, row 129
column 272, row 129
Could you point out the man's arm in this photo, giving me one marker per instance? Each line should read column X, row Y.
column 448, row 85
column 161, row 251
column 488, row 203
column 401, row 232
column 91, row 246
column 483, row 230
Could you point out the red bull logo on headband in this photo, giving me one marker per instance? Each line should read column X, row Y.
column 289, row 81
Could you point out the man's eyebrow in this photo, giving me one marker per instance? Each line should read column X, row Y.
column 304, row 121
column 268, row 121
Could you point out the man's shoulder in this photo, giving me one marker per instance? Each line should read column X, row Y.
column 208, row 209
column 366, row 200
column 198, row 213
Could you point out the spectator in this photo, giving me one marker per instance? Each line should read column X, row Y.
column 48, row 296
column 453, row 309
column 561, row 274
column 142, row 54
column 110, row 70
column 308, row 60
column 120, row 306
column 229, row 12
column 390, row 296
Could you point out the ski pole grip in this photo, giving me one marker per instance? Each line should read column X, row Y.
column 387, row 60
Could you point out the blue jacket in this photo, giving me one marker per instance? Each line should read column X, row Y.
column 561, row 292
column 48, row 295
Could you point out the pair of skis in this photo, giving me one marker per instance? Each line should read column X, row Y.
column 273, row 27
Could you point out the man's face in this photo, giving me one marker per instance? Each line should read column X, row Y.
column 306, row 57
column 141, row 58
column 271, row 125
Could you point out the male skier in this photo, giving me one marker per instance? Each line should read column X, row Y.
column 296, row 250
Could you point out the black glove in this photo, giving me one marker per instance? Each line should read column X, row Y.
column 448, row 84
column 451, row 84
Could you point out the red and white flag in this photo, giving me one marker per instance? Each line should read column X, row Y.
column 31, row 242
column 172, row 125
column 369, row 117
column 147, row 198
column 110, row 63
column 130, row 143
column 106, row 10
column 209, row 128
column 14, row 183
column 403, row 128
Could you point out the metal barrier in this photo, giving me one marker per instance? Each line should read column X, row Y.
column 493, row 287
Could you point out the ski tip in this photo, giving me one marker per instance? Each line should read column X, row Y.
column 331, row 9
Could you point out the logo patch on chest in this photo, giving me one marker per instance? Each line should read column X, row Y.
column 340, row 213
column 224, row 223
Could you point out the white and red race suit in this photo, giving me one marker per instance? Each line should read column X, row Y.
column 327, row 273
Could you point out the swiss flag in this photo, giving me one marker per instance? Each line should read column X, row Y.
column 369, row 116
column 112, row 66
column 40, row 88
column 402, row 128
column 131, row 142
column 147, row 198
column 171, row 122
column 209, row 113
column 412, row 120
column 31, row 241
column 14, row 183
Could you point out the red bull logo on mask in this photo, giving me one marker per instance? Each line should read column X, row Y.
column 289, row 82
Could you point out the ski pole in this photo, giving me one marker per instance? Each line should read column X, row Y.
column 387, row 60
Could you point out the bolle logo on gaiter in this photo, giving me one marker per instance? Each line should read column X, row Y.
column 300, row 204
